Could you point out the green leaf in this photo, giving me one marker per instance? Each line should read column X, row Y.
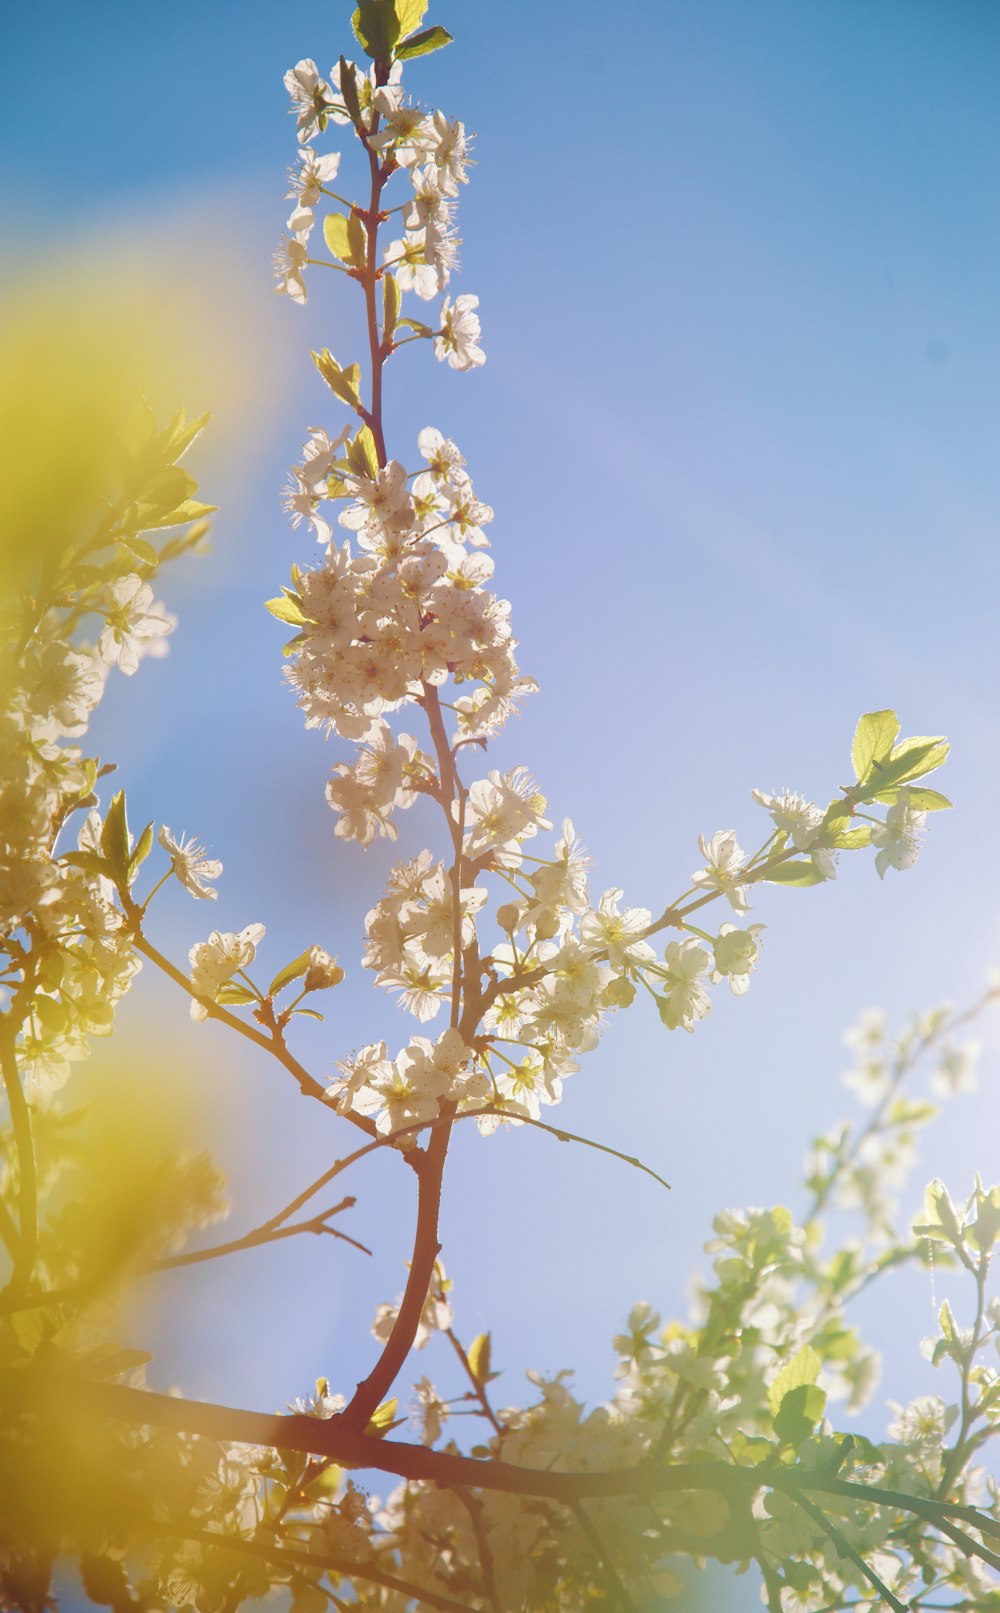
column 310, row 1013
column 801, row 1409
column 924, row 800
column 143, row 847
column 836, row 817
column 381, row 1420
column 189, row 509
column 391, row 299
column 910, row 760
column 336, row 234
column 479, row 1358
column 181, row 433
column 850, row 839
column 796, row 872
column 114, row 838
column 286, row 608
column 986, row 1227
column 362, row 456
column 801, row 1369
column 89, row 766
column 52, row 1013
column 749, row 1450
column 874, row 738
column 105, row 1582
column 349, row 90
column 423, row 43
column 940, row 1222
column 291, row 971
column 233, row 995
column 417, row 326
column 377, row 28
column 409, row 15
column 166, row 489
column 141, row 549
column 343, row 383
column 88, row 860
column 357, row 237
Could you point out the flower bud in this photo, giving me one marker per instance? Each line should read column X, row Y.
column 509, row 917
column 735, row 950
column 323, row 971
column 619, row 993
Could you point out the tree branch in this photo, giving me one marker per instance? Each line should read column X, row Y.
column 274, row 1045
column 27, row 1187
column 349, row 1567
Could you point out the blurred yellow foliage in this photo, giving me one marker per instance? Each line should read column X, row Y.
column 82, row 337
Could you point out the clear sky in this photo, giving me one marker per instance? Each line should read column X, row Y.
column 737, row 266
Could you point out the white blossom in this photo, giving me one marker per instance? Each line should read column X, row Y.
column 135, row 624
column 190, row 864
column 458, row 338
column 899, row 838
column 724, row 860
column 215, row 961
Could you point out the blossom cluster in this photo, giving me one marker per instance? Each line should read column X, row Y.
column 430, row 148
column 60, row 923
column 408, row 610
column 401, row 613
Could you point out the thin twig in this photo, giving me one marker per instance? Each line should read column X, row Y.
column 274, row 1044
column 259, row 1237
column 250, row 1240
column 27, row 1186
column 474, row 1507
column 845, row 1549
column 596, row 1544
column 478, row 1389
column 349, row 1567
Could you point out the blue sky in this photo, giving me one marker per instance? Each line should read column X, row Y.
column 739, row 421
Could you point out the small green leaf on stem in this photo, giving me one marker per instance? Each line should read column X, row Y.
column 803, row 1368
column 479, row 1358
column 291, row 971
column 143, row 847
column 343, row 383
column 423, row 43
column 376, row 27
column 874, row 738
column 391, row 300
column 115, row 839
column 796, row 872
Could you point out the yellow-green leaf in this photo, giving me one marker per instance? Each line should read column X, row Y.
column 422, row 44
column 801, row 1369
column 291, row 971
column 409, row 15
column 479, row 1358
column 391, row 300
column 382, row 1418
column 343, row 382
column 796, row 872
column 336, row 234
column 114, row 838
column 924, row 800
column 357, row 241
column 874, row 738
column 143, row 847
column 361, row 454
column 376, row 27
column 800, row 1410
column 287, row 609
